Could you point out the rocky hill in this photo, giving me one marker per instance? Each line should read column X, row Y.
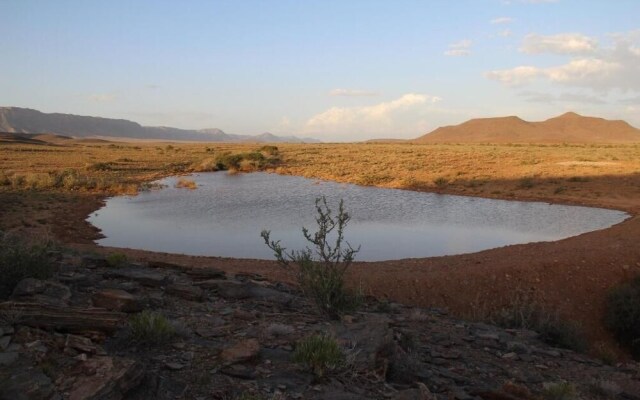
column 24, row 120
column 81, row 335
column 566, row 128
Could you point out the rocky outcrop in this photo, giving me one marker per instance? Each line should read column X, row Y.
column 237, row 335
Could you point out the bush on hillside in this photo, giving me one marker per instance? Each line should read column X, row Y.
column 622, row 315
column 321, row 271
column 20, row 260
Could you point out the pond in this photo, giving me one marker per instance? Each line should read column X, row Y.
column 226, row 213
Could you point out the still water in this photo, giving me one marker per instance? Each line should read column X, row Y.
column 226, row 213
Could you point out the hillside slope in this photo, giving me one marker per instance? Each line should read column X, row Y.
column 24, row 120
column 566, row 128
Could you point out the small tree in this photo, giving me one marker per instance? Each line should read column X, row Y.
column 321, row 270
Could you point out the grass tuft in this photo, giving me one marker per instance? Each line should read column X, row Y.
column 20, row 260
column 151, row 328
column 320, row 353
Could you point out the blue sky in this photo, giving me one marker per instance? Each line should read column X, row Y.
column 334, row 70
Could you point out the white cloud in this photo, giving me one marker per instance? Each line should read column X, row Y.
column 101, row 97
column 352, row 93
column 461, row 48
column 367, row 121
column 502, row 20
column 603, row 69
column 505, row 33
column 563, row 43
column 515, row 76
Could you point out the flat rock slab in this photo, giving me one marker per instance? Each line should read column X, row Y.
column 244, row 350
column 116, row 300
column 143, row 276
column 40, row 291
column 195, row 273
column 106, row 378
column 234, row 290
column 185, row 291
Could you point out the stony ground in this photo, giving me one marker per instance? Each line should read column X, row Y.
column 68, row 338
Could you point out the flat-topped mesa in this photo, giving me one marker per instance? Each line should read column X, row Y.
column 569, row 127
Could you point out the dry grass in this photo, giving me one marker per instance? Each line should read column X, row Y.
column 184, row 183
column 590, row 174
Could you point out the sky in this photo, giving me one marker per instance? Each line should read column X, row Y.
column 332, row 70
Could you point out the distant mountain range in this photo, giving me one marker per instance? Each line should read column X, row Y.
column 25, row 120
column 566, row 128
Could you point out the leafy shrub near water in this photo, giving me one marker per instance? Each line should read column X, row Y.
column 20, row 260
column 320, row 353
column 323, row 278
column 117, row 260
column 265, row 157
column 622, row 315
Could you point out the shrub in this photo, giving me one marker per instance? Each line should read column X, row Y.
column 270, row 150
column 184, row 183
column 20, row 260
column 322, row 279
column 320, row 353
column 526, row 183
column 559, row 391
column 622, row 315
column 116, row 260
column 441, row 182
column 524, row 313
column 150, row 328
column 99, row 166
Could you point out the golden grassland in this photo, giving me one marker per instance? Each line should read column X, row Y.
column 605, row 175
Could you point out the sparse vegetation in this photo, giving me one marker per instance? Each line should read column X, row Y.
column 320, row 353
column 117, row 260
column 184, row 183
column 524, row 312
column 559, row 391
column 321, row 271
column 441, row 182
column 150, row 328
column 19, row 260
column 622, row 315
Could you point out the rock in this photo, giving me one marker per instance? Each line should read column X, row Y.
column 80, row 343
column 187, row 292
column 109, row 378
column 242, row 351
column 116, row 300
column 233, row 290
column 157, row 387
column 371, row 338
column 94, row 261
column 174, row 366
column 44, row 292
column 420, row 393
column 211, row 332
column 195, row 273
column 6, row 359
column 28, row 384
column 4, row 342
column 143, row 276
column 239, row 371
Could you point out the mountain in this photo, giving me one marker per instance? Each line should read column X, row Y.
column 25, row 120
column 566, row 128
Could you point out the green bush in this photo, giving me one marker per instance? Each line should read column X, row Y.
column 117, row 260
column 150, row 328
column 322, row 278
column 320, row 353
column 20, row 260
column 622, row 314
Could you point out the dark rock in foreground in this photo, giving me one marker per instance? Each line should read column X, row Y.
column 69, row 338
